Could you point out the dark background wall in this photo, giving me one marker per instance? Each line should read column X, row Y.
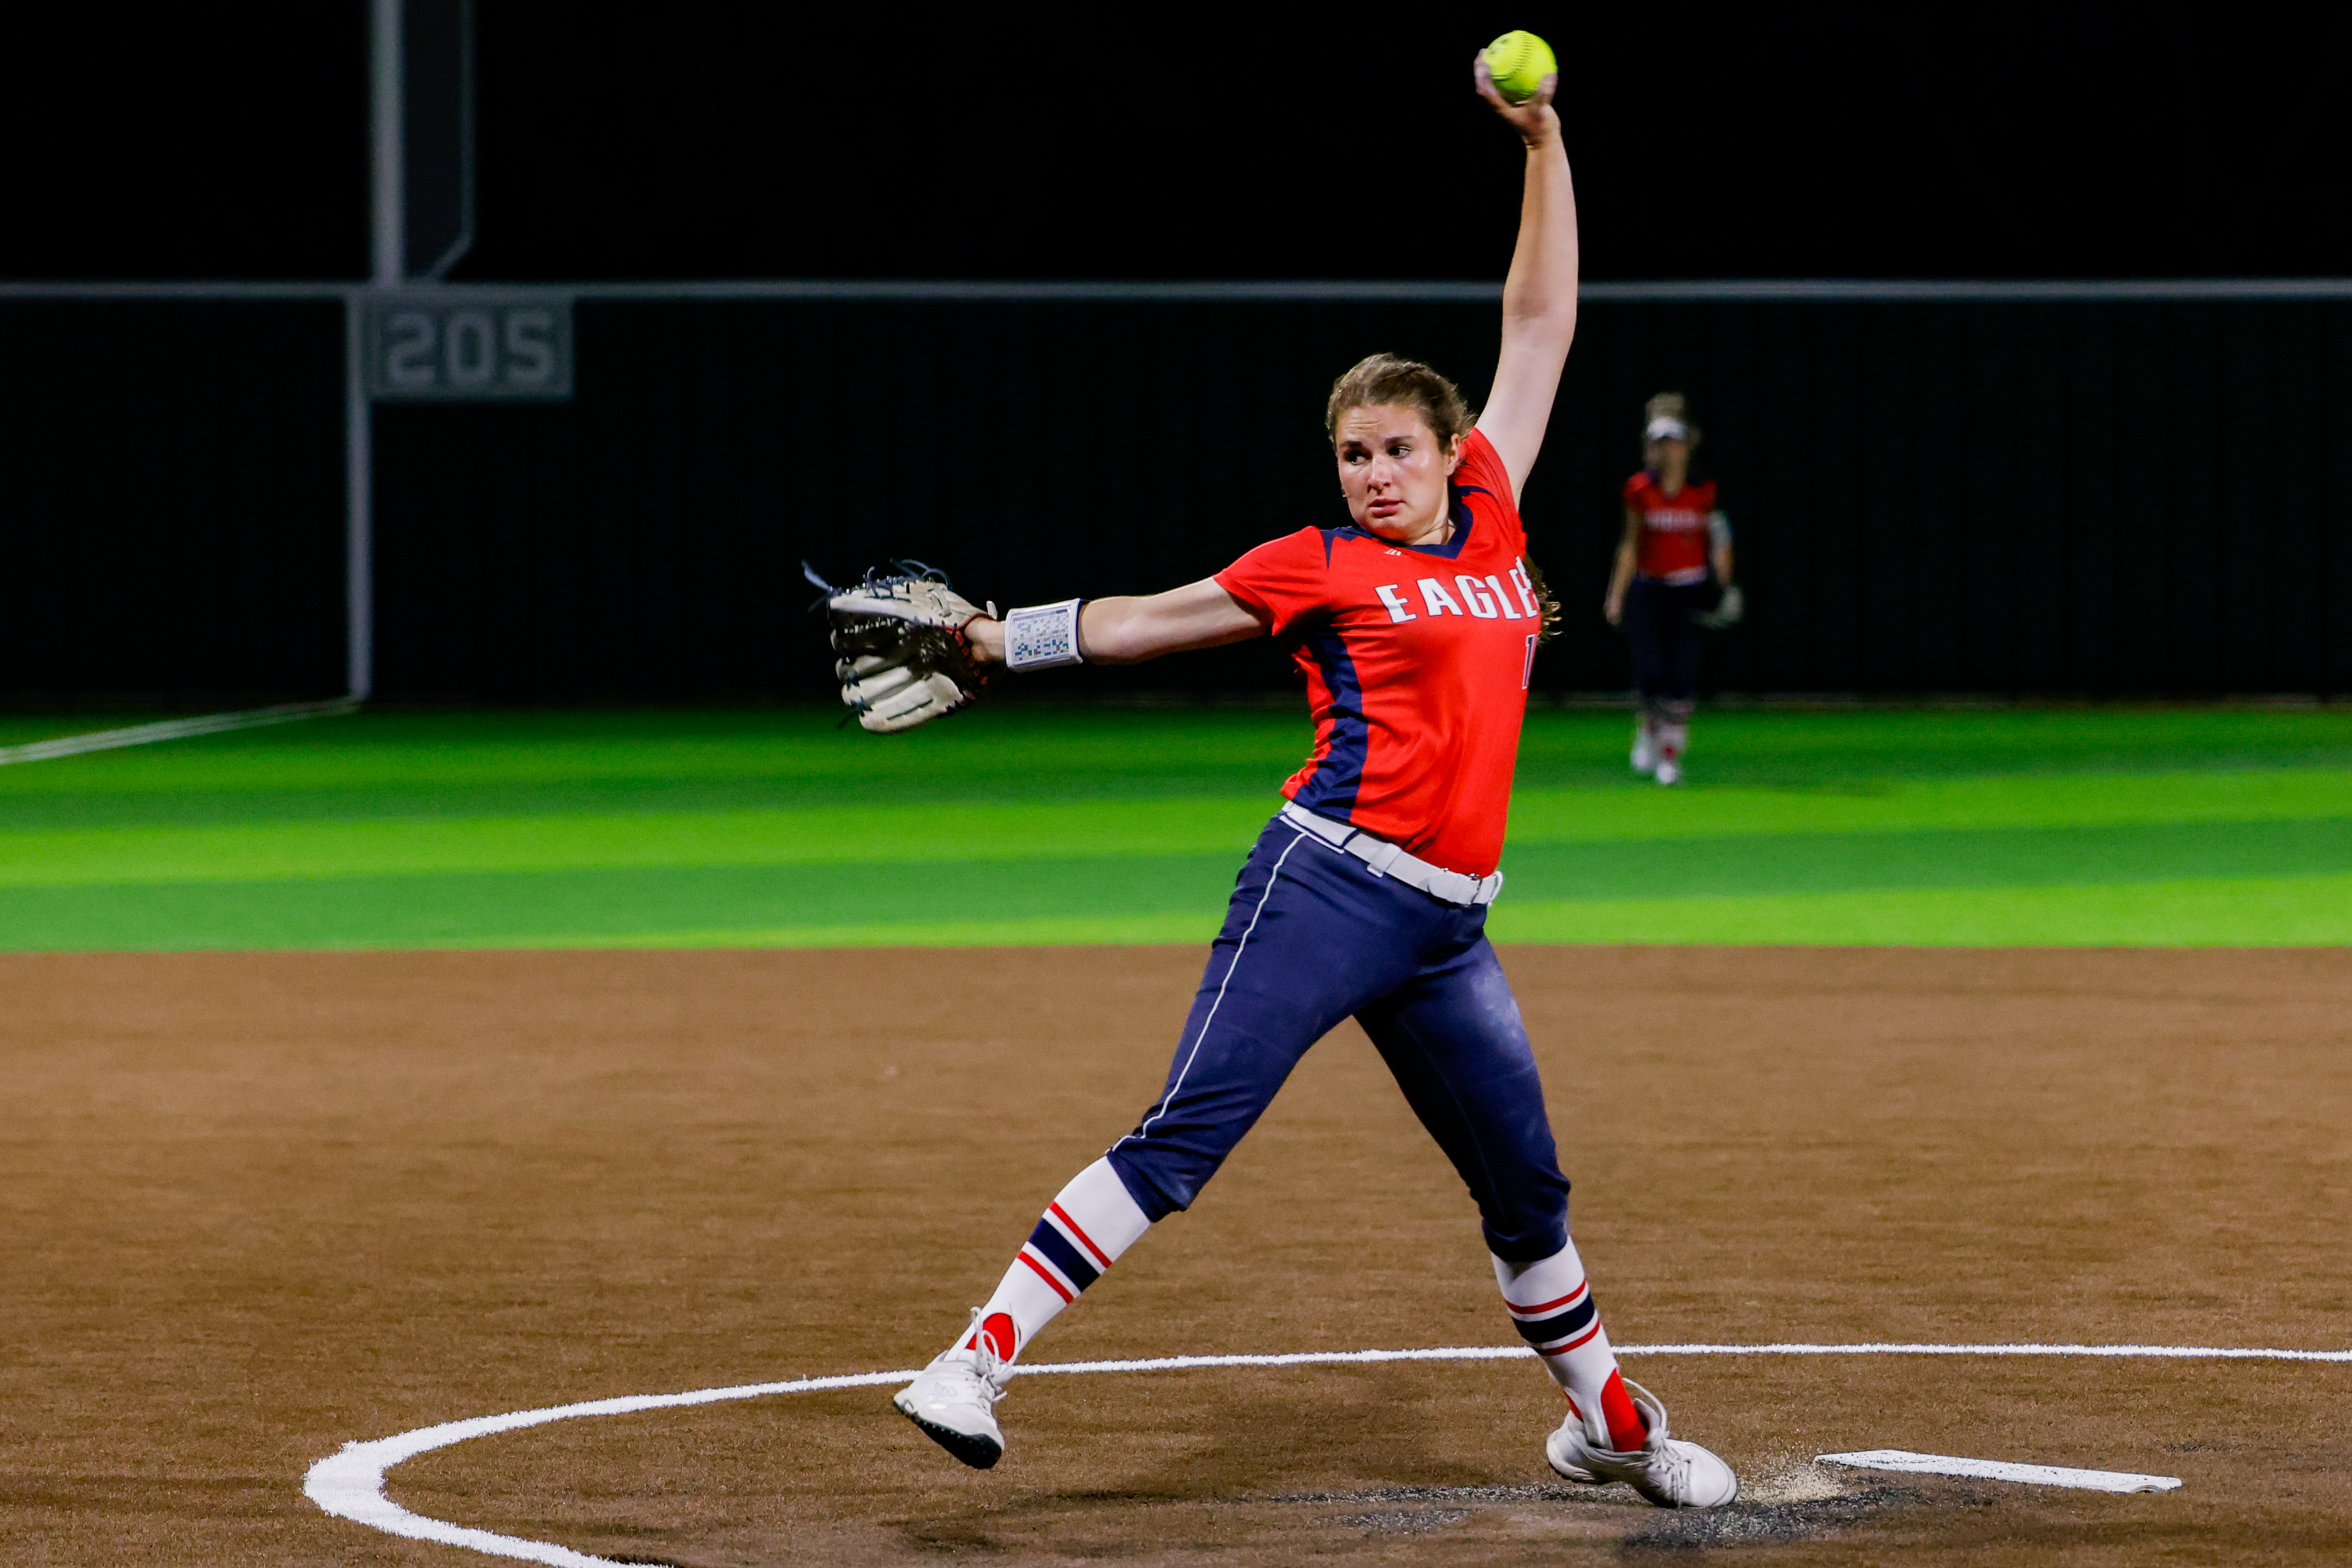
column 171, row 501
column 2099, row 499
column 2121, row 499
column 715, row 139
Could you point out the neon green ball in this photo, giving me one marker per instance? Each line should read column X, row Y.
column 1519, row 62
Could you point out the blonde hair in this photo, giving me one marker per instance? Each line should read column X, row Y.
column 1382, row 379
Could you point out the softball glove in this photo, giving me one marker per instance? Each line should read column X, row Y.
column 1727, row 610
column 900, row 651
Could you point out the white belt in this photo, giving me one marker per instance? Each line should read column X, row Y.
column 1387, row 859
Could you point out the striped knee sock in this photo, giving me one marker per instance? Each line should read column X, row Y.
column 1084, row 1230
column 1673, row 731
column 1550, row 1302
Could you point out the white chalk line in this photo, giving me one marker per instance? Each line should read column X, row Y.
column 1904, row 1462
column 349, row 1484
column 174, row 730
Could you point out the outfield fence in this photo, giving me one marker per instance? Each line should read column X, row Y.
column 2106, row 490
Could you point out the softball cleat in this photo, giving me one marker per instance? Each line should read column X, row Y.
column 1669, row 772
column 954, row 1400
column 1644, row 757
column 1668, row 1471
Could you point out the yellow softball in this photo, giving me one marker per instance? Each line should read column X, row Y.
column 1519, row 62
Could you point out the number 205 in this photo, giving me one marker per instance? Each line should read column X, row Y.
column 471, row 351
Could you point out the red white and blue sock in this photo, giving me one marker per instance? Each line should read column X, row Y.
column 1551, row 1303
column 1671, row 727
column 1084, row 1230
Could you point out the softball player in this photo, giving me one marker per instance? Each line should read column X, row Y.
column 1671, row 581
column 1415, row 625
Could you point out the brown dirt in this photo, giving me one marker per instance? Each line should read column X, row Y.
column 256, row 1205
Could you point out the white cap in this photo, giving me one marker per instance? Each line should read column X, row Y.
column 1667, row 427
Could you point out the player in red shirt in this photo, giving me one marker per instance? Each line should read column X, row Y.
column 1415, row 623
column 1672, row 578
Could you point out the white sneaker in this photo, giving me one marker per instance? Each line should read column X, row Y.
column 1669, row 773
column 1646, row 751
column 1668, row 1471
column 954, row 1401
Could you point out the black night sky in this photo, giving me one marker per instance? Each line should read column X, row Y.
column 717, row 141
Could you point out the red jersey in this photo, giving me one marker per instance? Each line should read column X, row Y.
column 1673, row 532
column 1416, row 660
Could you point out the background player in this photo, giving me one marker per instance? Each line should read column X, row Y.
column 1415, row 625
column 1672, row 579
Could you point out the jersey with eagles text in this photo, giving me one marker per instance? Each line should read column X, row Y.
column 1672, row 547
column 1417, row 660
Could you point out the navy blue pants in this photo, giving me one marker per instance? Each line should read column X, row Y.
column 1662, row 623
column 1312, row 937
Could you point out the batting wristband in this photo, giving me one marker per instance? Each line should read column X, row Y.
column 1043, row 637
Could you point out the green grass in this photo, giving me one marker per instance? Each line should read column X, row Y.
column 1036, row 825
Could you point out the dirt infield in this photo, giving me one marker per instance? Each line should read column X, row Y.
column 260, row 1204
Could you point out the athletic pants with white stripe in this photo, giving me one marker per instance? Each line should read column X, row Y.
column 1312, row 937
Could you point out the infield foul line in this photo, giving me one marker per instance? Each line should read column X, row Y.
column 349, row 1484
column 175, row 730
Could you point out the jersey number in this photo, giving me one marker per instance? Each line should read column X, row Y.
column 1528, row 670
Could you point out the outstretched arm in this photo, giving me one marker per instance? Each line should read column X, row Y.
column 907, row 644
column 1540, row 295
column 1129, row 630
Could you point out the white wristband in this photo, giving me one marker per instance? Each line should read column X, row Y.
column 1042, row 636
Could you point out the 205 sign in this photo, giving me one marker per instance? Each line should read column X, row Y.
column 459, row 344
